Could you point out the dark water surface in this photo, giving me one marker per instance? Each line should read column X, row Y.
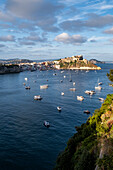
column 24, row 142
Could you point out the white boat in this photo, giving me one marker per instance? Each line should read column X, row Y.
column 81, row 98
column 44, row 86
column 62, row 93
column 26, row 79
column 62, row 71
column 87, row 91
column 72, row 89
column 90, row 92
column 46, row 124
column 100, row 83
column 64, row 76
column 98, row 87
column 101, row 99
column 59, row 108
column 27, row 87
column 73, row 83
column 87, row 71
column 54, row 74
column 38, row 97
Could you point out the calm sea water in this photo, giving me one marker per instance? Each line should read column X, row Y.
column 24, row 142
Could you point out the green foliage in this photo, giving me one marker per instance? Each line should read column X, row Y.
column 82, row 149
column 110, row 75
column 106, row 162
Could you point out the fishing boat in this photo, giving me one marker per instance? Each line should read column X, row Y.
column 27, row 87
column 38, row 97
column 59, row 108
column 81, row 98
column 44, row 86
column 46, row 124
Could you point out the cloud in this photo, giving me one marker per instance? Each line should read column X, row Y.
column 68, row 39
column 41, row 12
column 32, row 39
column 7, row 38
column 95, row 39
column 109, row 31
column 94, row 21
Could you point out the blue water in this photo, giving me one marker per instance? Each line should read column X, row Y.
column 24, row 142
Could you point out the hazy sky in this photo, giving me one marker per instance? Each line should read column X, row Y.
column 44, row 29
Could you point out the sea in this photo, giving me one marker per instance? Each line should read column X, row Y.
column 25, row 143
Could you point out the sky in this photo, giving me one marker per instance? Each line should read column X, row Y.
column 53, row 29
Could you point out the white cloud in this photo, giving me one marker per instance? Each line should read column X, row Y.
column 70, row 39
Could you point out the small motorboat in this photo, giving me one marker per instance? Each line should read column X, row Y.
column 64, row 76
column 27, row 87
column 70, row 80
column 59, row 108
column 100, row 83
column 38, row 97
column 81, row 98
column 90, row 92
column 98, row 88
column 62, row 93
column 26, row 79
column 44, row 86
column 61, row 81
column 72, row 89
column 101, row 99
column 46, row 124
column 87, row 111
column 24, row 84
column 62, row 71
column 73, row 83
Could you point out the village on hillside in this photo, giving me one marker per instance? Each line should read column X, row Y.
column 74, row 62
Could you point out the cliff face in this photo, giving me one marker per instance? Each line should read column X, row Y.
column 91, row 148
column 5, row 69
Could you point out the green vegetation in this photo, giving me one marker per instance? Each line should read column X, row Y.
column 110, row 76
column 92, row 138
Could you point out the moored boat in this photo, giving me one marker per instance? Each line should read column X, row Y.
column 27, row 87
column 72, row 89
column 26, row 79
column 81, row 98
column 44, row 86
column 101, row 99
column 87, row 111
column 38, row 97
column 98, row 88
column 46, row 124
column 59, row 108
column 62, row 93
